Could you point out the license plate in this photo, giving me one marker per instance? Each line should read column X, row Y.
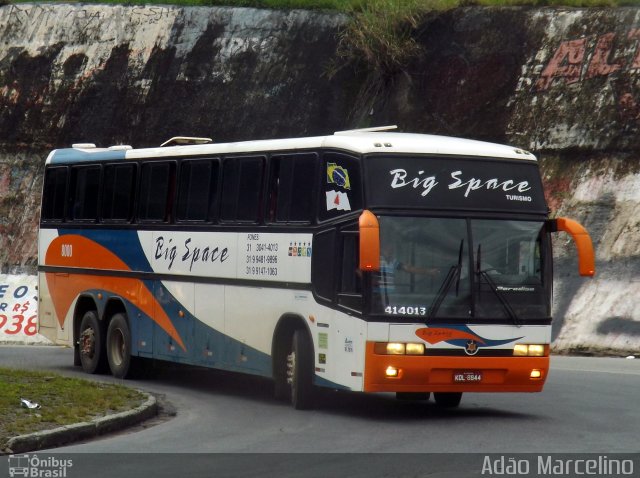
column 467, row 377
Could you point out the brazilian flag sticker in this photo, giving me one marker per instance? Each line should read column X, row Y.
column 338, row 175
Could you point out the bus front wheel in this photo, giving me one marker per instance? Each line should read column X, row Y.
column 119, row 346
column 91, row 343
column 447, row 399
column 300, row 370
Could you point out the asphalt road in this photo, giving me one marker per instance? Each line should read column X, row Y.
column 589, row 405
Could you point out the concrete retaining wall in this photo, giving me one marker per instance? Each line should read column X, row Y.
column 564, row 83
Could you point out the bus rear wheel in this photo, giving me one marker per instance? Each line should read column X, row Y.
column 300, row 371
column 119, row 346
column 91, row 343
column 447, row 399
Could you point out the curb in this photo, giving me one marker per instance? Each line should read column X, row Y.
column 84, row 430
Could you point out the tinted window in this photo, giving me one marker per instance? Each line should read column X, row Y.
column 117, row 196
column 291, row 188
column 341, row 185
column 86, row 187
column 241, row 189
column 155, row 191
column 350, row 277
column 198, row 179
column 322, row 263
column 54, row 194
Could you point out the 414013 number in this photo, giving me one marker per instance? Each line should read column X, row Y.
column 406, row 310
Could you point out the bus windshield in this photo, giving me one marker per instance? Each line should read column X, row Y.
column 455, row 268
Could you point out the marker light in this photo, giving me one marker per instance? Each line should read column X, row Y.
column 535, row 374
column 391, row 372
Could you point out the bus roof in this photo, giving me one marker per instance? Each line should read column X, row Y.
column 356, row 141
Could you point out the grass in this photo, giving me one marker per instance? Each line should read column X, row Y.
column 62, row 400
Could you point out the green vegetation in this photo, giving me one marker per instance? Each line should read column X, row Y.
column 381, row 33
column 62, row 400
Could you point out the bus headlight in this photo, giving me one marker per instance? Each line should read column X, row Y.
column 415, row 349
column 536, row 350
column 529, row 350
column 398, row 348
column 521, row 350
column 394, row 348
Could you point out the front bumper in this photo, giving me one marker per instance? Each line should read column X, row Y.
column 436, row 373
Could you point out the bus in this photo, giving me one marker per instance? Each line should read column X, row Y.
column 366, row 260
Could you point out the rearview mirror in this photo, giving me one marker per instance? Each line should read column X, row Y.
column 582, row 240
column 369, row 242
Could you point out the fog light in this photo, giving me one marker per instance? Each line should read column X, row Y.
column 395, row 348
column 535, row 373
column 391, row 372
column 415, row 349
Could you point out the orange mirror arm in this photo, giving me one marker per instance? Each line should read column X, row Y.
column 586, row 253
column 369, row 242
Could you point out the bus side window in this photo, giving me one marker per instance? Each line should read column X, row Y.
column 341, row 186
column 118, row 191
column 155, row 191
column 291, row 188
column 55, row 194
column 241, row 189
column 196, row 190
column 323, row 263
column 85, row 187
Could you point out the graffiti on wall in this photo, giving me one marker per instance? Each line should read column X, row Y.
column 18, row 309
column 585, row 58
column 611, row 55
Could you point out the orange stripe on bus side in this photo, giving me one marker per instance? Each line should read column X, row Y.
column 88, row 254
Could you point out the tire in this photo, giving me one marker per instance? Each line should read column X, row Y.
column 413, row 396
column 280, row 353
column 76, row 356
column 119, row 346
column 300, row 371
column 448, row 399
column 91, row 343
column 281, row 387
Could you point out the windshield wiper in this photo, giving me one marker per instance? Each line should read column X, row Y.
column 503, row 300
column 452, row 276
